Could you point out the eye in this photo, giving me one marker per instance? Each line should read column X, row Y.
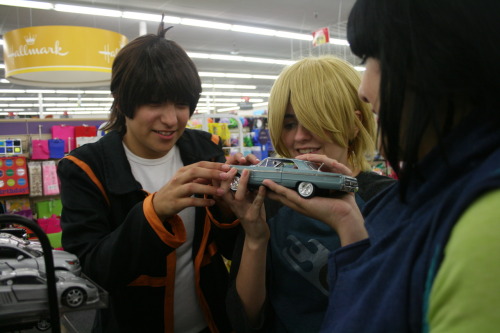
column 290, row 125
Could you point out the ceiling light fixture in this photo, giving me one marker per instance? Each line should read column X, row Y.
column 27, row 4
column 87, row 10
column 168, row 19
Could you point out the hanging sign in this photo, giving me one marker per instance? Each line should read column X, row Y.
column 60, row 56
column 321, row 36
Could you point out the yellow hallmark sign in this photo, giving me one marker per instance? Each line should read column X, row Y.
column 61, row 56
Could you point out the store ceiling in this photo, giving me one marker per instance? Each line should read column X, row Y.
column 297, row 16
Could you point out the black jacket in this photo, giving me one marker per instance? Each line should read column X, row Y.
column 109, row 222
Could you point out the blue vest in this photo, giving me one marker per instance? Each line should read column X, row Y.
column 381, row 284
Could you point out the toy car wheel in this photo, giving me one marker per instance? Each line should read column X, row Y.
column 235, row 182
column 74, row 297
column 43, row 325
column 306, row 189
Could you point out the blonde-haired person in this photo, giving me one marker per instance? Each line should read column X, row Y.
column 321, row 94
column 279, row 278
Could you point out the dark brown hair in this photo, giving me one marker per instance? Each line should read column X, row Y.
column 151, row 69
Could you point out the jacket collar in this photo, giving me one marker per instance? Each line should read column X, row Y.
column 117, row 171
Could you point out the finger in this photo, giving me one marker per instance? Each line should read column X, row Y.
column 199, row 173
column 209, row 165
column 225, row 184
column 259, row 198
column 252, row 159
column 236, row 159
column 190, row 189
column 330, row 165
column 341, row 168
column 280, row 190
column 242, row 190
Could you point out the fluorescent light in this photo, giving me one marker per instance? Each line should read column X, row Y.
column 168, row 19
column 216, row 104
column 205, row 24
column 293, row 35
column 228, row 86
column 27, row 4
column 229, row 100
column 338, row 41
column 253, row 30
column 265, row 77
column 87, row 10
column 69, row 91
column 229, row 109
column 141, row 16
column 240, row 58
column 44, row 91
column 103, row 92
column 227, row 93
column 238, row 75
column 360, row 68
column 11, row 91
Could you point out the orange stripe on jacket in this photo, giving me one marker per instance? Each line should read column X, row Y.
column 169, row 294
column 86, row 168
column 215, row 139
column 173, row 239
column 221, row 225
column 164, row 281
column 198, row 262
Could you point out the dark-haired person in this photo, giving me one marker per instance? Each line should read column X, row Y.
column 425, row 258
column 135, row 202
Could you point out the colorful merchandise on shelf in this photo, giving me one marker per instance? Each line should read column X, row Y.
column 40, row 150
column 56, row 148
column 15, row 205
column 52, row 227
column 10, row 147
column 50, row 180
column 13, row 176
column 35, row 178
column 47, row 208
column 66, row 133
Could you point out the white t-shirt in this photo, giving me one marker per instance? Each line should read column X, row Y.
column 153, row 174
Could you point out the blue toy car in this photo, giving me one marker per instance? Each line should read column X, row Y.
column 304, row 176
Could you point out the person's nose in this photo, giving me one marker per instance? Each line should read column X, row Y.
column 361, row 92
column 169, row 114
column 302, row 133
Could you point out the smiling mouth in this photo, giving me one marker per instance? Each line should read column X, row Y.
column 307, row 151
column 164, row 133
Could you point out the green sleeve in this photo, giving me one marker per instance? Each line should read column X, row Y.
column 465, row 296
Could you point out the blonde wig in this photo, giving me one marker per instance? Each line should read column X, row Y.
column 323, row 92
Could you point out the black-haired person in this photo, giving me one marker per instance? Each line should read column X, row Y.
column 135, row 202
column 425, row 259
